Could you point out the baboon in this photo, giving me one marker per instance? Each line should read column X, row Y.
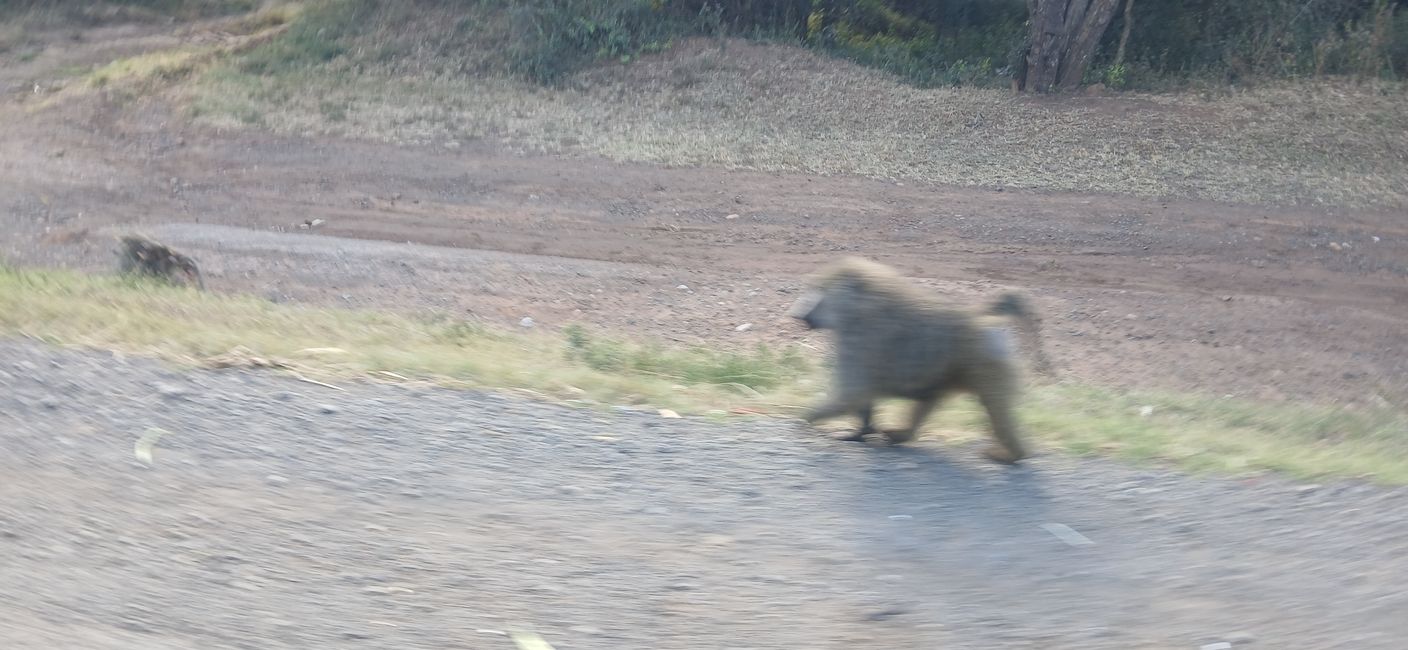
column 894, row 339
column 144, row 256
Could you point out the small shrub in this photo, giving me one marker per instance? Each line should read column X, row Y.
column 316, row 36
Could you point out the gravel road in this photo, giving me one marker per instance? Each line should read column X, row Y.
column 281, row 514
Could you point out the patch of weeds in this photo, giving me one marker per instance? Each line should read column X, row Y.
column 162, row 66
column 333, row 111
column 750, row 373
column 50, row 13
column 267, row 18
column 873, row 34
column 314, row 36
column 551, row 38
column 1223, row 434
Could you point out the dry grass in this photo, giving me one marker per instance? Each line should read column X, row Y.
column 189, row 327
column 774, row 107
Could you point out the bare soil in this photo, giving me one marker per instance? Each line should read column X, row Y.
column 1173, row 294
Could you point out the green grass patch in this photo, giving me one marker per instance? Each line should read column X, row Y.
column 54, row 13
column 179, row 324
column 1198, row 433
column 160, row 66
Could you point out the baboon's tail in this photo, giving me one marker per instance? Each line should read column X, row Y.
column 1013, row 305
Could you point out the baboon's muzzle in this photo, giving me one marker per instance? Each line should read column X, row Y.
column 805, row 309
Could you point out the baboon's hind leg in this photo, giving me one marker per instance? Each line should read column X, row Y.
column 997, row 402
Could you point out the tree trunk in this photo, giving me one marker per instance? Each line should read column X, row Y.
column 1064, row 35
column 1124, row 33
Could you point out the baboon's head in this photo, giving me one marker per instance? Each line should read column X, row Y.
column 832, row 292
column 812, row 309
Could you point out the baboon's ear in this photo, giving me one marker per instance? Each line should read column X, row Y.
column 853, row 282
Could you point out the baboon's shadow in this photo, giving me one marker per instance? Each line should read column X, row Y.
column 943, row 492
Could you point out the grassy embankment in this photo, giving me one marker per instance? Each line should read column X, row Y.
column 350, row 69
column 1199, row 433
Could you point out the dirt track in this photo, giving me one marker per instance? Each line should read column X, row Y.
column 1171, row 294
column 282, row 514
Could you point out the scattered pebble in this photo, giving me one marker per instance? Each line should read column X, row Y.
column 1334, row 246
column 744, row 327
column 667, row 413
column 171, row 391
column 1241, row 638
column 327, row 409
column 1146, row 411
column 886, row 613
column 732, row 216
column 1067, row 534
column 378, row 590
column 526, row 322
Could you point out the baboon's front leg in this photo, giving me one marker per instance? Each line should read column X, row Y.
column 867, row 426
column 917, row 415
column 845, row 404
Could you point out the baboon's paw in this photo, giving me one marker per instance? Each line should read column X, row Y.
column 854, row 436
column 898, row 436
column 1002, row 455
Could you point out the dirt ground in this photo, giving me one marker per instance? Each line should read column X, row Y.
column 1176, row 294
column 283, row 515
